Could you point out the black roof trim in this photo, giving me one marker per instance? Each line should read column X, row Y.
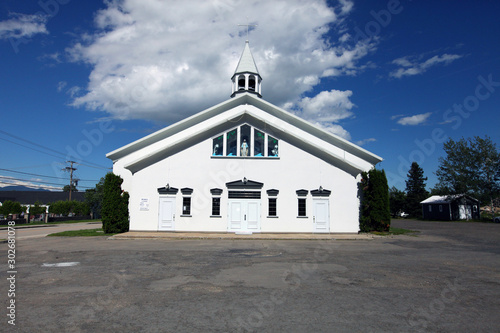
column 168, row 190
column 273, row 192
column 302, row 193
column 216, row 191
column 244, row 184
column 186, row 190
column 321, row 193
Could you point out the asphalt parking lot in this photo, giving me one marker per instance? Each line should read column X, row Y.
column 446, row 279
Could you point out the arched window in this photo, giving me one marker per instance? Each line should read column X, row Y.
column 251, row 83
column 241, row 82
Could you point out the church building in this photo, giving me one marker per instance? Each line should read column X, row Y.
column 243, row 166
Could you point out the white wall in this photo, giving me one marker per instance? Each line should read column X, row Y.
column 195, row 168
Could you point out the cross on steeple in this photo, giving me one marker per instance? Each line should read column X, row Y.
column 248, row 26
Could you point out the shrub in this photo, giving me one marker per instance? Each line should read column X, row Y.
column 11, row 207
column 375, row 214
column 114, row 211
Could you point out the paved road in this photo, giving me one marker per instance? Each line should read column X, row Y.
column 446, row 279
column 23, row 232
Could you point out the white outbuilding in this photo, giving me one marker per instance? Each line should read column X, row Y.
column 243, row 166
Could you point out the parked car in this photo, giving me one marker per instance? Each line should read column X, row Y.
column 496, row 219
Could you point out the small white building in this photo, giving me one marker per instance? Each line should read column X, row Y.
column 243, row 166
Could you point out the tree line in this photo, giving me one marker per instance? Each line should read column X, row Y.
column 470, row 166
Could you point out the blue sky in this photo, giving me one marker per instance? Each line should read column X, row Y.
column 82, row 78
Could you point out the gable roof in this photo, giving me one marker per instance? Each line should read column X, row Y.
column 247, row 108
column 445, row 199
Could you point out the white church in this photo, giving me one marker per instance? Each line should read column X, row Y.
column 243, row 166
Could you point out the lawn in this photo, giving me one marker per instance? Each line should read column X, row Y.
column 396, row 231
column 82, row 233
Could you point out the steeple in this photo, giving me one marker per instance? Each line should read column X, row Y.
column 246, row 77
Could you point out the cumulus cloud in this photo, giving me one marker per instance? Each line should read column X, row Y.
column 325, row 109
column 409, row 66
column 414, row 120
column 167, row 60
column 23, row 26
column 365, row 141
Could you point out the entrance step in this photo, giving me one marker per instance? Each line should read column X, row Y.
column 243, row 233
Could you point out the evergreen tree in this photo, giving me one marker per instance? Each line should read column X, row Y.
column 375, row 214
column 93, row 198
column 397, row 201
column 415, row 190
column 115, row 217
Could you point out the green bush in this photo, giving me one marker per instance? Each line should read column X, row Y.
column 66, row 207
column 11, row 207
column 37, row 209
column 114, row 211
column 375, row 214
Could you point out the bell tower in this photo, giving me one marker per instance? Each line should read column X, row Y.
column 246, row 77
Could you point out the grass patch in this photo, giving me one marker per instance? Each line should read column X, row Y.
column 396, row 231
column 82, row 233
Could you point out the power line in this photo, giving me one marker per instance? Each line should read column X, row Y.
column 97, row 166
column 37, row 175
column 32, row 143
column 43, row 152
column 34, row 181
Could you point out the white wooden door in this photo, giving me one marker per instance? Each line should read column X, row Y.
column 235, row 215
column 244, row 215
column 321, row 217
column 252, row 216
column 166, row 219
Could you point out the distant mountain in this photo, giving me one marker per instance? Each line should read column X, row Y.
column 21, row 188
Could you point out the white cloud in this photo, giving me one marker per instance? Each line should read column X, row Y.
column 23, row 26
column 11, row 181
column 409, row 66
column 414, row 120
column 365, row 141
column 167, row 60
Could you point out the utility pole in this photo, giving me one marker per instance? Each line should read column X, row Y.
column 70, row 169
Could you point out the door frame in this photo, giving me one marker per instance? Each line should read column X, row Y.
column 315, row 215
column 160, row 211
column 244, row 215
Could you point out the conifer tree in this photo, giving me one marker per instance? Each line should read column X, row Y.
column 115, row 217
column 375, row 214
column 415, row 190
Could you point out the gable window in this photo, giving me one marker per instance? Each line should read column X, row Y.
column 258, row 143
column 218, row 146
column 272, row 146
column 232, row 142
column 245, row 141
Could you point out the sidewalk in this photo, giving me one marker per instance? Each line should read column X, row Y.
column 256, row 236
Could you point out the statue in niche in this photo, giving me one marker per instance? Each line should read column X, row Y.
column 275, row 150
column 244, row 148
